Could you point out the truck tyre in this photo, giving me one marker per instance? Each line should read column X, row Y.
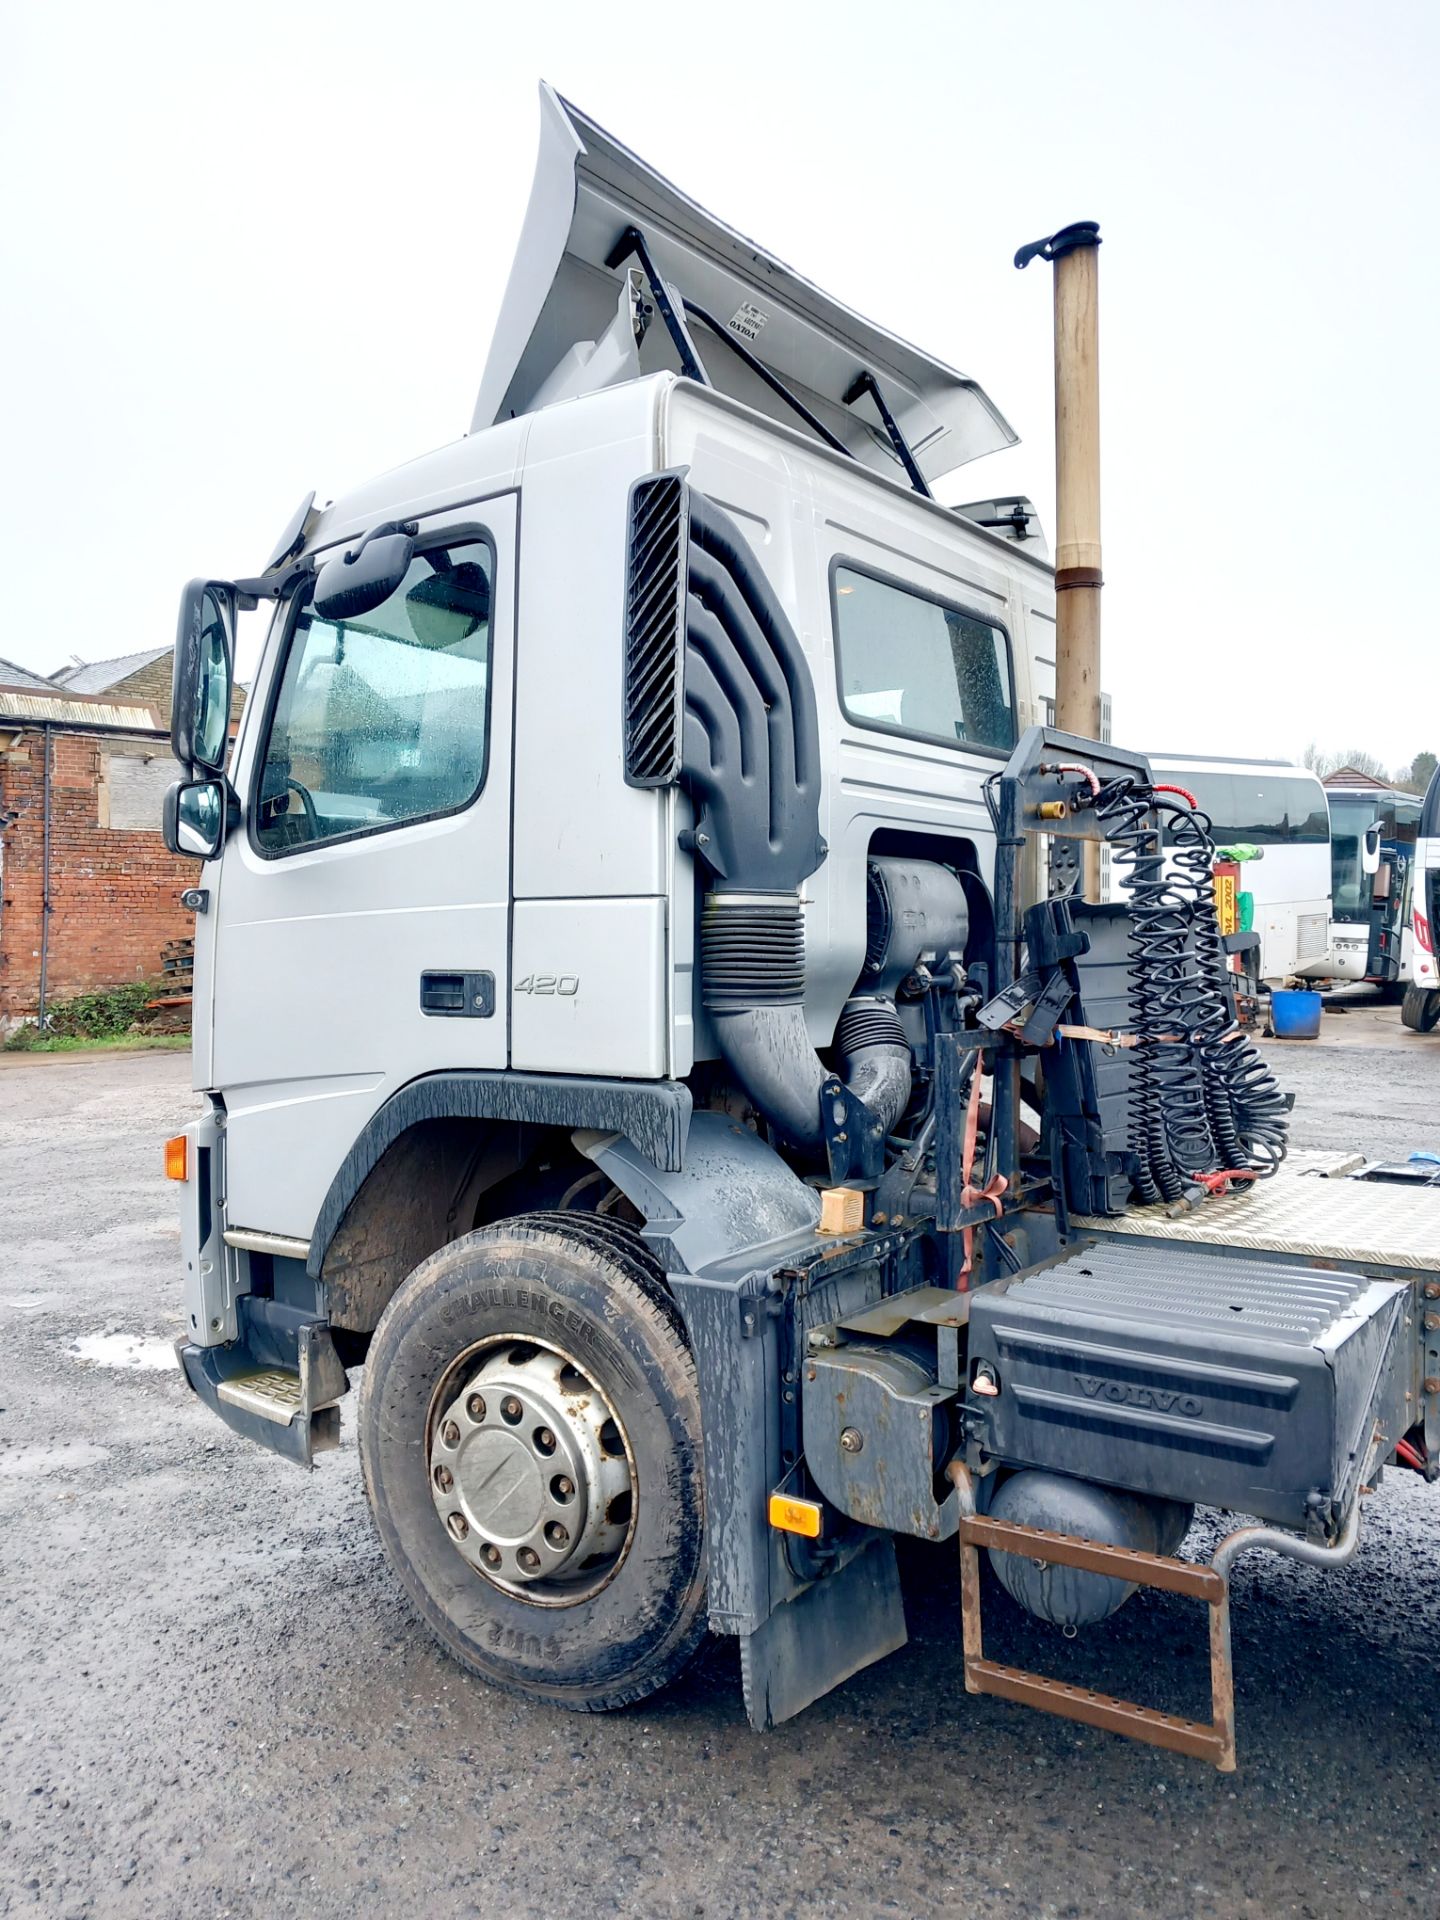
column 530, row 1442
column 1420, row 1009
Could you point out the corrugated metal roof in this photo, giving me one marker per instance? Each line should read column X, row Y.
column 98, row 676
column 59, row 706
column 12, row 675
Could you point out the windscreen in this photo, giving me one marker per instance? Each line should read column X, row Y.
column 1350, row 815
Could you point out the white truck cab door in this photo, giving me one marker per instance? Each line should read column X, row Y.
column 362, row 908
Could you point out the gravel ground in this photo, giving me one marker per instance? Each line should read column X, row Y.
column 214, row 1700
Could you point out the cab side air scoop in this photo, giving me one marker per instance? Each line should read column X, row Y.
column 719, row 699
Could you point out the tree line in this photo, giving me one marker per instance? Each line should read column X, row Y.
column 1412, row 778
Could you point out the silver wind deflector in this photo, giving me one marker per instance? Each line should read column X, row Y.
column 570, row 323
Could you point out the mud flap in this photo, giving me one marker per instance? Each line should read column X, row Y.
column 824, row 1635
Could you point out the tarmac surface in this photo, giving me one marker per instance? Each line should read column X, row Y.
column 214, row 1699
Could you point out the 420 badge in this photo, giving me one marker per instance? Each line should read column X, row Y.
column 566, row 985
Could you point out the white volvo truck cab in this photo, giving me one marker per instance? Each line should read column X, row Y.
column 616, row 1000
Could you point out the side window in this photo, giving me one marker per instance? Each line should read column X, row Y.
column 1265, row 810
column 383, row 719
column 916, row 665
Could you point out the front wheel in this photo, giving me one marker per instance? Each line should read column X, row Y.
column 1420, row 1009
column 530, row 1441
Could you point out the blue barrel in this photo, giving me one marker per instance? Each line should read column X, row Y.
column 1295, row 1016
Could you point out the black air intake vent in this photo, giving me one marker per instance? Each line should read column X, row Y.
column 655, row 630
column 718, row 694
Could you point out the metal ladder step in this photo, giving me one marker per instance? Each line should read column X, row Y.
column 1213, row 1741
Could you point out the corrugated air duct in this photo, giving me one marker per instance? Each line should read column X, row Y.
column 719, row 698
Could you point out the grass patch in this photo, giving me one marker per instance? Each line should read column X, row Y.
column 31, row 1040
column 102, row 1019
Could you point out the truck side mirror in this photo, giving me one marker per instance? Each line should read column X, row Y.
column 1370, row 851
column 204, row 675
column 198, row 815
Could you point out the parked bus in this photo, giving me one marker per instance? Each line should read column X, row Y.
column 1373, row 835
column 1421, row 1008
column 1279, row 810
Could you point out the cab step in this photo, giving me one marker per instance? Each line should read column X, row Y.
column 291, row 1410
column 270, row 1392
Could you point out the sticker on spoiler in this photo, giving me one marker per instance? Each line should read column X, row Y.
column 747, row 320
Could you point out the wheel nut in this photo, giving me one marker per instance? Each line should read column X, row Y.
column 851, row 1440
column 529, row 1559
column 475, row 1406
column 459, row 1526
column 511, row 1409
column 563, row 1487
column 490, row 1554
column 444, row 1479
column 544, row 1440
column 557, row 1535
column 450, row 1434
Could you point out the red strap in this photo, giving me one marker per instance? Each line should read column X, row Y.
column 971, row 1195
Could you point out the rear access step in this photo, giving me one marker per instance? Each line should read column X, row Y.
column 1213, row 1741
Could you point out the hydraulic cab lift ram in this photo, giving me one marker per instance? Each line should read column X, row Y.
column 651, row 1019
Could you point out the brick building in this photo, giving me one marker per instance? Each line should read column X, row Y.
column 143, row 677
column 95, row 766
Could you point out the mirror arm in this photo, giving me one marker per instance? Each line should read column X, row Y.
column 408, row 527
column 234, row 811
column 254, row 588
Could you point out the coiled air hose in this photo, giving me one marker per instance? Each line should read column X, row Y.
column 1201, row 1098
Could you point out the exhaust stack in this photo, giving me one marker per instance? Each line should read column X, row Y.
column 1078, row 579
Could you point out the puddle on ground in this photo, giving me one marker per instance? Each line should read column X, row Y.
column 133, row 1351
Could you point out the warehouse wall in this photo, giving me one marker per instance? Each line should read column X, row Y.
column 114, row 888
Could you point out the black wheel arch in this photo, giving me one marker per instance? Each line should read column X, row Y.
column 408, row 1183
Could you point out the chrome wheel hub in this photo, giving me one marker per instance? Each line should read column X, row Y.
column 530, row 1473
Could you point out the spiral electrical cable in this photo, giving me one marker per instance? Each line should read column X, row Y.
column 1248, row 1115
column 1201, row 1098
column 1212, row 1032
column 1124, row 808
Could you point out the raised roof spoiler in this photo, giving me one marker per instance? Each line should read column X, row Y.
column 617, row 274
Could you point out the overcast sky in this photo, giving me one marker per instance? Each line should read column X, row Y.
column 249, row 251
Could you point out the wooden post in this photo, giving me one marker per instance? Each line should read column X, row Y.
column 1078, row 579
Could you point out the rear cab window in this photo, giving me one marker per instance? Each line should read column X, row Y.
column 912, row 664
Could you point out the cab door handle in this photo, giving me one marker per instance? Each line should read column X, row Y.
column 458, row 996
